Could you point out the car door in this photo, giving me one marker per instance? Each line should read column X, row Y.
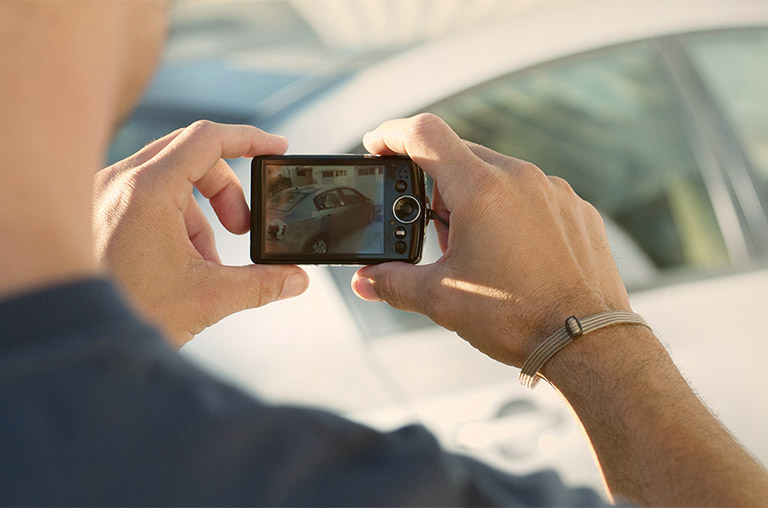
column 333, row 213
column 625, row 129
column 359, row 207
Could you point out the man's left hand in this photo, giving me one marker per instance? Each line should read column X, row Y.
column 155, row 240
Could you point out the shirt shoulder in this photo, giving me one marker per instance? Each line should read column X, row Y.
column 105, row 413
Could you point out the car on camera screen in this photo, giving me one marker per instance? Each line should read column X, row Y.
column 320, row 219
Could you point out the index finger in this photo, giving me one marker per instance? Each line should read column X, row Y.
column 428, row 140
column 199, row 147
column 195, row 157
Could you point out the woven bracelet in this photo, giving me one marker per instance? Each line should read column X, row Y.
column 529, row 374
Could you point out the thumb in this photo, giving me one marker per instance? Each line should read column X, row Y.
column 216, row 291
column 401, row 285
column 237, row 288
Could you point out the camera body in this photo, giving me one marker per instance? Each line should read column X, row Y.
column 337, row 209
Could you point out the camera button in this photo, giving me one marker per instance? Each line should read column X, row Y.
column 401, row 247
column 406, row 209
column 400, row 186
column 400, row 232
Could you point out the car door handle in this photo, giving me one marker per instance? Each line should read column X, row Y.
column 514, row 430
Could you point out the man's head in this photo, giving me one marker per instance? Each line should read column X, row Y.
column 145, row 24
column 85, row 48
column 69, row 72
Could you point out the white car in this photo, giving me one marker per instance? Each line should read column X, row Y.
column 656, row 112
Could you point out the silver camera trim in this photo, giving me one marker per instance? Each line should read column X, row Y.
column 418, row 207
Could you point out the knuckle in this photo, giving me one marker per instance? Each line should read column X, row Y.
column 263, row 289
column 517, row 177
column 424, row 125
column 491, row 188
column 561, row 184
column 487, row 194
column 202, row 125
column 592, row 215
column 530, row 175
column 202, row 129
column 136, row 184
column 565, row 190
column 570, row 198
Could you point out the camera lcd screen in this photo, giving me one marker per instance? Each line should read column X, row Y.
column 324, row 209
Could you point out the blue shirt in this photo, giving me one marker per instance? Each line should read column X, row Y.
column 96, row 409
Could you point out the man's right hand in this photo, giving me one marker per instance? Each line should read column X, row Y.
column 523, row 252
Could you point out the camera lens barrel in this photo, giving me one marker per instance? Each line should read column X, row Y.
column 406, row 209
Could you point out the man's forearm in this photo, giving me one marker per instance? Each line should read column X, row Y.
column 550, row 258
column 657, row 444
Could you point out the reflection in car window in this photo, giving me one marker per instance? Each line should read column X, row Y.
column 351, row 196
column 734, row 64
column 606, row 123
column 327, row 200
column 286, row 200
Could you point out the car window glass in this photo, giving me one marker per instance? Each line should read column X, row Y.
column 605, row 122
column 329, row 200
column 734, row 64
column 351, row 196
column 286, row 200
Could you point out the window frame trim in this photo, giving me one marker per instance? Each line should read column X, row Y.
column 722, row 160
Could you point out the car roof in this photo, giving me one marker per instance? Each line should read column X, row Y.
column 307, row 189
column 314, row 189
column 326, row 111
column 417, row 78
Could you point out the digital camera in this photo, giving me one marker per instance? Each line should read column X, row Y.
column 337, row 209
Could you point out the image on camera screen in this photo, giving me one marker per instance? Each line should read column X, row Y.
column 324, row 209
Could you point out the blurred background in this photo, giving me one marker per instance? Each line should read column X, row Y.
column 656, row 112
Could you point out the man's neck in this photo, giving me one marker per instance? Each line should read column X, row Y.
column 49, row 239
column 55, row 125
column 45, row 206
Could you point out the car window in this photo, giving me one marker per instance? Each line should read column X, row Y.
column 734, row 64
column 607, row 123
column 286, row 200
column 351, row 196
column 610, row 123
column 327, row 200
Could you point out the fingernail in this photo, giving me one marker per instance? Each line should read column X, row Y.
column 294, row 285
column 363, row 287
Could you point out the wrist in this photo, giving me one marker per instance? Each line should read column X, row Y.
column 610, row 355
column 574, row 329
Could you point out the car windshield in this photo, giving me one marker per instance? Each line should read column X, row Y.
column 287, row 200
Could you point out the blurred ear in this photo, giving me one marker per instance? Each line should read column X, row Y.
column 142, row 28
